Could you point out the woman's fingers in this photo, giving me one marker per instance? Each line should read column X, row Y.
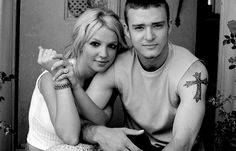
column 41, row 52
column 46, row 59
column 57, row 64
column 68, row 73
column 61, row 74
column 58, row 56
column 60, row 63
column 60, row 77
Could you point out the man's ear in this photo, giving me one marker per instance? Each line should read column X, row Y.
column 170, row 26
column 126, row 29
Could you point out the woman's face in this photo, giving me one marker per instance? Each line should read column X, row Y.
column 100, row 51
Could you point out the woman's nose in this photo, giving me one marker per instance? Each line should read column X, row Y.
column 103, row 52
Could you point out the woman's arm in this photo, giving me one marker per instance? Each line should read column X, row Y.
column 63, row 70
column 62, row 109
column 59, row 99
column 93, row 102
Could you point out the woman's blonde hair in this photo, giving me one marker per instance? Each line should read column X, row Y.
column 91, row 21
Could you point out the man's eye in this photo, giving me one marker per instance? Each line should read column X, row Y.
column 95, row 44
column 138, row 28
column 112, row 46
column 157, row 26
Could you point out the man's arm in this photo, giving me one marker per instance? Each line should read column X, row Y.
column 191, row 110
column 93, row 102
column 115, row 139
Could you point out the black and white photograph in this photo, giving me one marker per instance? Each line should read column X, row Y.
column 117, row 75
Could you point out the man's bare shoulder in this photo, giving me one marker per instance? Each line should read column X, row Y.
column 194, row 81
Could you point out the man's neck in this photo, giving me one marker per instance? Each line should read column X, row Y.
column 153, row 64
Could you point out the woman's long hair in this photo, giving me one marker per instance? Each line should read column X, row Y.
column 91, row 21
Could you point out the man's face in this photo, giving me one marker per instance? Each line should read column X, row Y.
column 148, row 30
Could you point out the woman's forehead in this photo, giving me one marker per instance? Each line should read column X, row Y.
column 105, row 34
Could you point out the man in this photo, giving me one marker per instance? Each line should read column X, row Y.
column 162, row 85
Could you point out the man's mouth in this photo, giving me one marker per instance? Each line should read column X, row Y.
column 150, row 46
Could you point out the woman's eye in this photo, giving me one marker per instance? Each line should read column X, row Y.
column 112, row 46
column 95, row 44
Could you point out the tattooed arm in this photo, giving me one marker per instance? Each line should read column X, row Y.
column 191, row 110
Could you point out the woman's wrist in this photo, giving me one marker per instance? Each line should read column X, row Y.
column 76, row 86
column 58, row 85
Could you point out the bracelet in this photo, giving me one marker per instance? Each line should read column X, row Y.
column 62, row 86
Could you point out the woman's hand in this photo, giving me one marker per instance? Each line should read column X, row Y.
column 47, row 57
column 67, row 72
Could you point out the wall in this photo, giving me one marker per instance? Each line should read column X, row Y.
column 42, row 23
column 6, row 65
column 185, row 34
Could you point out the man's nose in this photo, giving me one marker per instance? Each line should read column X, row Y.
column 149, row 35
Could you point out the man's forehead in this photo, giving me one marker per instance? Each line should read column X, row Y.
column 147, row 16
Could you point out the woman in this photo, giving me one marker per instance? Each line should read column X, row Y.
column 53, row 117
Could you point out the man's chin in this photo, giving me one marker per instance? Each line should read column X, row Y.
column 150, row 57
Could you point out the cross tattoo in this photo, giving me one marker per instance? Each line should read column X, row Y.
column 198, row 82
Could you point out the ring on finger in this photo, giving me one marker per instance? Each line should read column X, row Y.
column 66, row 71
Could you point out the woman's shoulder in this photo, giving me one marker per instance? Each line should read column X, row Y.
column 44, row 81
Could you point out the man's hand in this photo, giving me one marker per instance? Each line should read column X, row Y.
column 115, row 139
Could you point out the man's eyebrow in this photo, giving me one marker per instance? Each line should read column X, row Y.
column 134, row 25
column 154, row 23
column 161, row 22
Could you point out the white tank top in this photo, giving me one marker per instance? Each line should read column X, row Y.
column 41, row 131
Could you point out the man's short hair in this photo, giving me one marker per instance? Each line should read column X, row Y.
column 135, row 4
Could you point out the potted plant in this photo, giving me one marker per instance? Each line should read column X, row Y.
column 225, row 125
column 3, row 125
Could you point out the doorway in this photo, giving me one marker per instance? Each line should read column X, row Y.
column 207, row 50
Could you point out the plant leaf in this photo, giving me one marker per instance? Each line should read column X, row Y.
column 11, row 76
column 232, row 67
column 233, row 47
column 233, row 41
column 227, row 37
column 2, row 98
column 2, row 75
column 232, row 35
column 231, row 60
column 6, row 79
column 225, row 42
